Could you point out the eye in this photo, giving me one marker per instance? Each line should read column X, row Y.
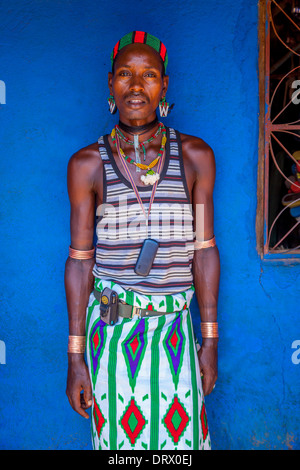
column 150, row 74
column 124, row 73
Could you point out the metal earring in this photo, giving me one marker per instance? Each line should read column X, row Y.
column 163, row 107
column 112, row 104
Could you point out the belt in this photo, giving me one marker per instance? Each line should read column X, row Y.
column 129, row 311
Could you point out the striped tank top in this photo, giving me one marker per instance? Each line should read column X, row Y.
column 121, row 226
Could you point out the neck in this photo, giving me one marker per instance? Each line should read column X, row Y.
column 138, row 130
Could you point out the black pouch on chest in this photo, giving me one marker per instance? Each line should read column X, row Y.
column 146, row 257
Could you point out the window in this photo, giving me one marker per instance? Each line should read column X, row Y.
column 278, row 213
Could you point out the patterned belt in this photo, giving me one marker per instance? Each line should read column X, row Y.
column 129, row 311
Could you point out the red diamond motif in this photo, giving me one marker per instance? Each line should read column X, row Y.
column 96, row 340
column 174, row 339
column 176, row 408
column 134, row 344
column 204, row 422
column 133, row 421
column 98, row 418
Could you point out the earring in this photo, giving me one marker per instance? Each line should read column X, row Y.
column 163, row 107
column 112, row 104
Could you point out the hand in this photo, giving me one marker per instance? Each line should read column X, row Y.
column 79, row 380
column 208, row 363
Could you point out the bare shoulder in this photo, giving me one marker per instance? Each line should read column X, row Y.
column 197, row 153
column 85, row 168
column 85, row 161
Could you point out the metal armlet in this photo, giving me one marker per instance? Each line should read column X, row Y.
column 81, row 254
column 200, row 245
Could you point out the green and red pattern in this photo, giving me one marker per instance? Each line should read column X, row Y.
column 133, row 421
column 134, row 347
column 174, row 344
column 176, row 420
column 98, row 417
column 145, row 376
column 161, row 303
column 204, row 423
column 97, row 340
column 143, row 38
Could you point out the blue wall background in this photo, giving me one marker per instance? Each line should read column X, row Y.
column 54, row 62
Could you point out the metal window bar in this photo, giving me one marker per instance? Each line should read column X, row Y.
column 277, row 133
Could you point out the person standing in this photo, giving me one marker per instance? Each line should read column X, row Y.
column 128, row 298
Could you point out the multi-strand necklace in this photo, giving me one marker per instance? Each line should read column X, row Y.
column 151, row 176
column 136, row 142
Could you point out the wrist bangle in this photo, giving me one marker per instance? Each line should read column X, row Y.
column 81, row 254
column 200, row 245
column 209, row 329
column 76, row 344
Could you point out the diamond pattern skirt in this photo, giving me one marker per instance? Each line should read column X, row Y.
column 147, row 391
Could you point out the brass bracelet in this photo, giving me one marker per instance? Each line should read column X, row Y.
column 81, row 254
column 209, row 329
column 200, row 245
column 76, row 344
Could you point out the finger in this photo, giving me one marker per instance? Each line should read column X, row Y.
column 88, row 396
column 85, row 401
column 203, row 381
column 78, row 407
column 206, row 384
column 209, row 387
column 205, row 387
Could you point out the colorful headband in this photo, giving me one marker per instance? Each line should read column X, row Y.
column 142, row 38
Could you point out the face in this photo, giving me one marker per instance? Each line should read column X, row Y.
column 137, row 83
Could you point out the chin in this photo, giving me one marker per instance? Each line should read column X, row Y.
column 139, row 115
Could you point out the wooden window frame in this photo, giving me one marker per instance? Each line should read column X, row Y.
column 291, row 256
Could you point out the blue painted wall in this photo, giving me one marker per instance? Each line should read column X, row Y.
column 54, row 63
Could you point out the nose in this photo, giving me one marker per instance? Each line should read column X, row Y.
column 136, row 83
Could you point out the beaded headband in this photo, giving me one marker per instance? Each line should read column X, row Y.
column 142, row 38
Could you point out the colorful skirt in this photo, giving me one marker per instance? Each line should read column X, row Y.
column 147, row 391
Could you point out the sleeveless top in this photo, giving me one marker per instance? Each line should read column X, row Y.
column 121, row 225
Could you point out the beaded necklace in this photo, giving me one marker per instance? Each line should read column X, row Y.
column 141, row 144
column 138, row 129
column 151, row 176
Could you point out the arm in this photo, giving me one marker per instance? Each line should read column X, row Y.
column 78, row 276
column 206, row 265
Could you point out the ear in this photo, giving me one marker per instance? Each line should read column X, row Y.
column 165, row 85
column 110, row 76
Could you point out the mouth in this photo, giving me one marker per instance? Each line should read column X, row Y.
column 136, row 101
